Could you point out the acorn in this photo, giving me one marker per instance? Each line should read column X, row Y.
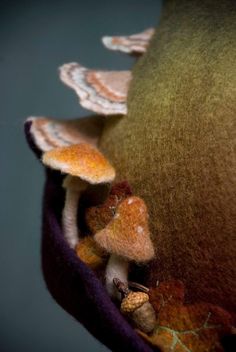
column 137, row 307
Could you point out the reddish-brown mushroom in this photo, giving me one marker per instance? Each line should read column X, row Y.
column 126, row 238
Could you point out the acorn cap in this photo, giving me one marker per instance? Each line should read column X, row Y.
column 127, row 234
column 133, row 301
column 81, row 160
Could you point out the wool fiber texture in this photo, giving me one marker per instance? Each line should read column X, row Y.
column 176, row 147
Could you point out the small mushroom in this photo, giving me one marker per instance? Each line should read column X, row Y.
column 84, row 164
column 73, row 186
column 137, row 307
column 126, row 238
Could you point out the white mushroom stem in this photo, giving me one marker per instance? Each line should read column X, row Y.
column 73, row 186
column 117, row 267
column 69, row 217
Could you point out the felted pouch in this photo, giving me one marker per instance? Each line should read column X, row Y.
column 152, row 268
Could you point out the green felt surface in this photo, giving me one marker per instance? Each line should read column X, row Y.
column 176, row 147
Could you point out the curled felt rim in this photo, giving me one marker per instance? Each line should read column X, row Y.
column 72, row 284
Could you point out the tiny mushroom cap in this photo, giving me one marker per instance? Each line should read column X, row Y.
column 81, row 160
column 89, row 252
column 127, row 234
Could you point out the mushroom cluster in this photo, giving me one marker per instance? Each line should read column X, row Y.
column 71, row 147
column 126, row 237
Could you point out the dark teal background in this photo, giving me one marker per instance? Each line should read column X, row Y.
column 35, row 38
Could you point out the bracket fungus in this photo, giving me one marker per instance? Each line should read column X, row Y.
column 84, row 164
column 104, row 92
column 135, row 43
column 126, row 238
column 50, row 133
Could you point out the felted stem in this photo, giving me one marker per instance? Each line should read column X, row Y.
column 69, row 217
column 73, row 186
column 117, row 267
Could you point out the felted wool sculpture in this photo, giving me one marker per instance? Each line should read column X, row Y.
column 172, row 138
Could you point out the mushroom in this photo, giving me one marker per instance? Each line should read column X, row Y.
column 126, row 238
column 84, row 164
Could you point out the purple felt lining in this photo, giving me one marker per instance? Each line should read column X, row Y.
column 72, row 284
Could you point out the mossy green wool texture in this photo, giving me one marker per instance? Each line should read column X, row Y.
column 176, row 147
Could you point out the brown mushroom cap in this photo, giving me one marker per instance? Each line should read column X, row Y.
column 127, row 234
column 81, row 160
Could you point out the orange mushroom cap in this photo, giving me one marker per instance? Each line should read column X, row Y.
column 127, row 234
column 81, row 160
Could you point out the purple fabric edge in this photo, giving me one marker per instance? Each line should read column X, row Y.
column 71, row 283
